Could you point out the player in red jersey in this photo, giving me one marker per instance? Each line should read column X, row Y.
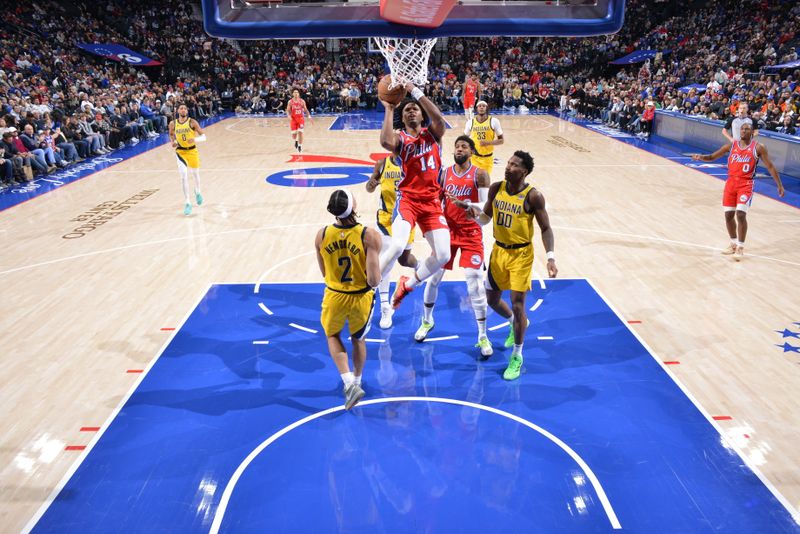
column 464, row 185
column 471, row 90
column 296, row 110
column 743, row 157
column 419, row 190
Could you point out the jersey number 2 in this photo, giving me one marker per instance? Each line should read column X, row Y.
column 345, row 262
column 431, row 163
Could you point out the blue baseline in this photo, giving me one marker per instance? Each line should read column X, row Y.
column 73, row 173
column 362, row 120
column 213, row 397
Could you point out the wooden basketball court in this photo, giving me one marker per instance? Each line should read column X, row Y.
column 82, row 315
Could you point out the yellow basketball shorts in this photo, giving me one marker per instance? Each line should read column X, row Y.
column 353, row 308
column 484, row 162
column 510, row 269
column 188, row 158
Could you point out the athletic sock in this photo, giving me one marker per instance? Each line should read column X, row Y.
column 427, row 313
column 481, row 327
column 348, row 378
column 517, row 350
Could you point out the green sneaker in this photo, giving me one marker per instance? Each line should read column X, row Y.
column 187, row 209
column 510, row 339
column 512, row 371
column 199, row 198
column 486, row 347
column 422, row 331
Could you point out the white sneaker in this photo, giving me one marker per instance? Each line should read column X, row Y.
column 739, row 254
column 386, row 316
column 134, row 140
column 730, row 250
column 486, row 346
column 422, row 331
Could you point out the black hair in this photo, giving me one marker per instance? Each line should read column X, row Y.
column 397, row 120
column 467, row 139
column 337, row 204
column 527, row 160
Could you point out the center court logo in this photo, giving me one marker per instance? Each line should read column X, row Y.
column 334, row 176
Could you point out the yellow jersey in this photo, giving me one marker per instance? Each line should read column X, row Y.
column 390, row 176
column 513, row 227
column 345, row 258
column 184, row 134
column 482, row 131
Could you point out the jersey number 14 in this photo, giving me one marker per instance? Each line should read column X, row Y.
column 431, row 163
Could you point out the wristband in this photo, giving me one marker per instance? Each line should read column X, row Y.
column 417, row 93
column 551, row 255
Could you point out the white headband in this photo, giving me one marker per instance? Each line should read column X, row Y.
column 349, row 209
column 482, row 102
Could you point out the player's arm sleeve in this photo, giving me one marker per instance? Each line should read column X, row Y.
column 498, row 130
column 468, row 127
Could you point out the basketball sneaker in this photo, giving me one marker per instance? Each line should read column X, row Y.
column 509, row 342
column 730, row 250
column 400, row 292
column 486, row 346
column 512, row 371
column 295, row 145
column 187, row 209
column 422, row 331
column 352, row 394
column 386, row 316
column 739, row 254
column 198, row 197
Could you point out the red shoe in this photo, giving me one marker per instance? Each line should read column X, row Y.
column 400, row 292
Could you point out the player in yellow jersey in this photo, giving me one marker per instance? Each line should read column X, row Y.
column 385, row 175
column 184, row 132
column 512, row 205
column 347, row 253
column 487, row 133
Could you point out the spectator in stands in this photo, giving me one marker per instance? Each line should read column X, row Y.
column 787, row 127
column 6, row 171
column 15, row 149
column 45, row 159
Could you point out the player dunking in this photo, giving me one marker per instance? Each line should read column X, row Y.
column 347, row 253
column 738, row 195
column 487, row 134
column 471, row 90
column 512, row 205
column 419, row 190
column 184, row 132
column 468, row 185
column 296, row 110
column 386, row 174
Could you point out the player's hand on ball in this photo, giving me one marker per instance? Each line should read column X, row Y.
column 409, row 87
column 388, row 105
column 552, row 270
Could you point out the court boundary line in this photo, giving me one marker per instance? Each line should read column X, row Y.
column 31, row 524
column 219, row 513
column 795, row 515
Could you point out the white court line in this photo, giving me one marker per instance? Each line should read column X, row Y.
column 219, row 514
column 156, row 242
column 265, row 342
column 370, row 340
column 284, row 262
column 498, row 326
column 536, row 305
column 728, row 443
column 74, row 467
column 303, row 328
column 443, row 338
column 545, row 338
column 264, row 307
column 662, row 240
column 541, row 283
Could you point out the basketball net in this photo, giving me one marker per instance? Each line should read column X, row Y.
column 407, row 58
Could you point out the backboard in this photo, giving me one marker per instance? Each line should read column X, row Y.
column 300, row 19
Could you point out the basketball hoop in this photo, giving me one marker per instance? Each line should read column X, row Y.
column 407, row 58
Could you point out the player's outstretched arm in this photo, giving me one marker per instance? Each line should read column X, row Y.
column 437, row 126
column 538, row 207
column 389, row 138
column 375, row 180
column 317, row 245
column 764, row 156
column 172, row 134
column 373, row 245
column 482, row 217
column 721, row 151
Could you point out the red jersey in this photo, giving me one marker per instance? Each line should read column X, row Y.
column 470, row 90
column 296, row 107
column 742, row 162
column 421, row 158
column 463, row 187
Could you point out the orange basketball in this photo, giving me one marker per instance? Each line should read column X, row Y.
column 393, row 96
